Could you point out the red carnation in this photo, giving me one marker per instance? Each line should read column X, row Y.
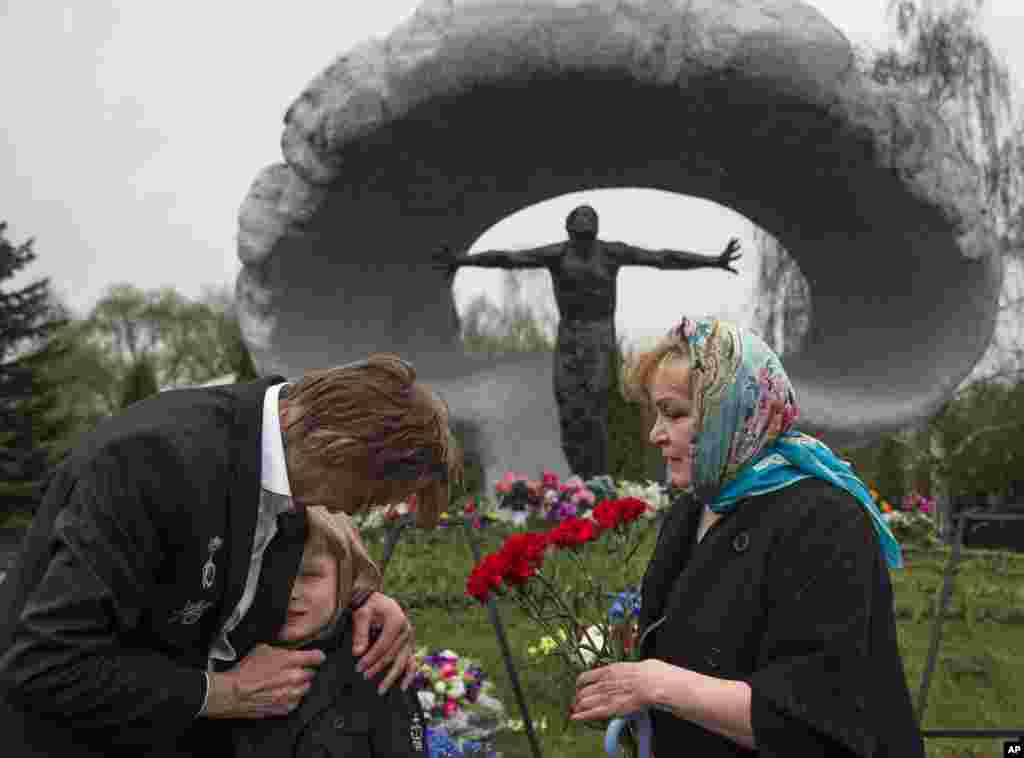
column 523, row 554
column 529, row 545
column 573, row 531
column 478, row 586
column 487, row 575
column 631, row 508
column 607, row 514
column 518, row 571
column 494, row 565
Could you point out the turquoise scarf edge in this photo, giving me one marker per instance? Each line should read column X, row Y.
column 756, row 478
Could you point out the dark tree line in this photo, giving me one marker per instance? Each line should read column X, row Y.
column 31, row 426
column 60, row 375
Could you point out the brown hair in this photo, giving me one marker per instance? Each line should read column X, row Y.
column 367, row 434
column 639, row 370
column 334, row 535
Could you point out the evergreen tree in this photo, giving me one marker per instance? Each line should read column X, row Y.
column 892, row 473
column 140, row 382
column 239, row 357
column 30, row 428
column 630, row 456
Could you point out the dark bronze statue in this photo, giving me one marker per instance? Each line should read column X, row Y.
column 583, row 270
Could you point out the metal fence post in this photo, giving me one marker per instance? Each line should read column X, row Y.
column 947, row 591
column 499, row 629
column 394, row 534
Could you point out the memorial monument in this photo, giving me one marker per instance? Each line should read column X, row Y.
column 471, row 110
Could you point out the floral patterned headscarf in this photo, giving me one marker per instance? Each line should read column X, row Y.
column 739, row 389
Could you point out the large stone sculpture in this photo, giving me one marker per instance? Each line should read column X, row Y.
column 583, row 272
column 474, row 109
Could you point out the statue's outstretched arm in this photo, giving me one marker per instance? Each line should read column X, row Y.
column 537, row 257
column 677, row 260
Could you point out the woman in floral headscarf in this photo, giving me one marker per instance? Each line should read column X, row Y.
column 768, row 595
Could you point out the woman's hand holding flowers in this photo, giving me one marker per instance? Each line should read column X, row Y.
column 618, row 689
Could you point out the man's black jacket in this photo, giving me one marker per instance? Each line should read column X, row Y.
column 107, row 621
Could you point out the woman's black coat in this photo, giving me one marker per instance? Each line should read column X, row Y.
column 789, row 593
column 342, row 715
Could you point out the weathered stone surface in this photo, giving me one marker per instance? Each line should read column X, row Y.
column 474, row 109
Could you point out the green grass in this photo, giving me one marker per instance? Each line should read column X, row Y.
column 978, row 682
column 15, row 520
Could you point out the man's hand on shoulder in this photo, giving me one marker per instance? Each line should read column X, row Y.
column 268, row 682
column 394, row 644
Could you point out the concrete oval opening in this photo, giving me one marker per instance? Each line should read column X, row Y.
column 471, row 111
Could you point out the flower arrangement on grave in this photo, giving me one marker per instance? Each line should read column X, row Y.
column 549, row 499
column 555, row 501
column 914, row 522
column 551, row 576
column 455, row 694
column 567, row 499
column 518, row 492
column 916, row 502
column 384, row 515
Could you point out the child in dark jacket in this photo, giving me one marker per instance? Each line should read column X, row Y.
column 342, row 714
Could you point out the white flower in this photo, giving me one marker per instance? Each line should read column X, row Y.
column 440, row 687
column 652, row 493
column 426, row 699
column 456, row 688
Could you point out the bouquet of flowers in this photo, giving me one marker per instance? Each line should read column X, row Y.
column 915, row 502
column 914, row 522
column 462, row 715
column 555, row 501
column 383, row 515
column 517, row 493
column 566, row 499
column 551, row 576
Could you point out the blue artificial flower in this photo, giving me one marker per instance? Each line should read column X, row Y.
column 626, row 603
column 441, row 745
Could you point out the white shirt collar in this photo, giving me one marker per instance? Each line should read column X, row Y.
column 273, row 471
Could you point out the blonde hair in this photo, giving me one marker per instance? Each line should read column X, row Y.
column 334, row 535
column 638, row 370
column 368, row 435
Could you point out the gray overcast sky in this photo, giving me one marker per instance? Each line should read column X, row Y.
column 133, row 129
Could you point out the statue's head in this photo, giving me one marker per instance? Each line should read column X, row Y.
column 581, row 223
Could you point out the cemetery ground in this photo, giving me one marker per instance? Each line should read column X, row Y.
column 977, row 683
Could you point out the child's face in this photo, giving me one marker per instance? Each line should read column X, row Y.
column 314, row 599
